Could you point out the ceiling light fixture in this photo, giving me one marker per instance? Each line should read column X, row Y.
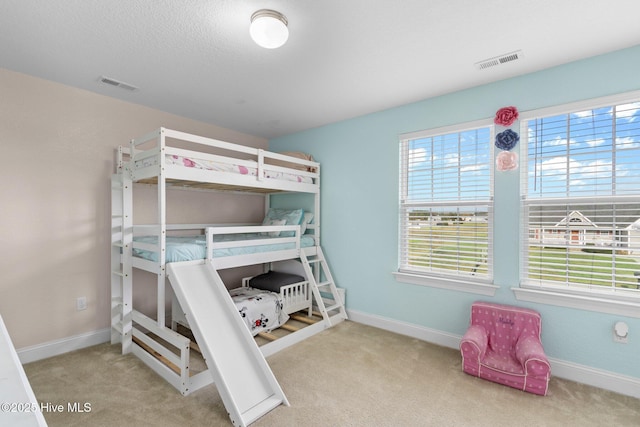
column 269, row 28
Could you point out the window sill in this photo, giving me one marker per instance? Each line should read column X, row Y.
column 450, row 284
column 581, row 301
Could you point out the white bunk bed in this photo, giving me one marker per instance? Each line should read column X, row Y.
column 168, row 158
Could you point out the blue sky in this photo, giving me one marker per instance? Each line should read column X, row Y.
column 450, row 166
column 573, row 154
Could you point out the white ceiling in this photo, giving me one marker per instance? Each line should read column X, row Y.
column 344, row 58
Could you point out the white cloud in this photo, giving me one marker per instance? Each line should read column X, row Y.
column 627, row 142
column 627, row 111
column 557, row 167
column 555, row 142
column 583, row 114
column 451, row 158
column 473, row 168
column 594, row 142
column 560, row 163
column 596, row 167
column 418, row 155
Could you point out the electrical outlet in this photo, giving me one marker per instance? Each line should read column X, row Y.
column 621, row 332
column 622, row 340
column 81, row 303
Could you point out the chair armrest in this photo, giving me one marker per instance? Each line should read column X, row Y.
column 530, row 354
column 474, row 342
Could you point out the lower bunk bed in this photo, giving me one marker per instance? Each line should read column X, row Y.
column 264, row 302
column 167, row 351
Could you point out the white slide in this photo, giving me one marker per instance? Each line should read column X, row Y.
column 244, row 380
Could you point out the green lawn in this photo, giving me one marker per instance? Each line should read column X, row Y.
column 462, row 247
column 584, row 268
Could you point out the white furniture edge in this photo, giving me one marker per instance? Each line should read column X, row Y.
column 20, row 407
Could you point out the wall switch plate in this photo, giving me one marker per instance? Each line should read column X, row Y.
column 81, row 303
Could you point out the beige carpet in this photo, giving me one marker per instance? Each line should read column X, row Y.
column 349, row 375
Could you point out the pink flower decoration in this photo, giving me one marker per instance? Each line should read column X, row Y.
column 188, row 163
column 506, row 161
column 243, row 170
column 506, row 116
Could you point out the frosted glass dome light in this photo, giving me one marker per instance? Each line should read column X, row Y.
column 269, row 28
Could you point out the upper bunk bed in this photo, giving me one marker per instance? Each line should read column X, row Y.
column 174, row 159
column 186, row 160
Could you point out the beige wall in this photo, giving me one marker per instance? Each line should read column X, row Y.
column 58, row 146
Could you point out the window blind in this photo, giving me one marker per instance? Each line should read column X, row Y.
column 581, row 199
column 446, row 185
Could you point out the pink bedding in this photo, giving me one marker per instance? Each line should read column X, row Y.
column 232, row 168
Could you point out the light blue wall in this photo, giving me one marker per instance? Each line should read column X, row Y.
column 359, row 159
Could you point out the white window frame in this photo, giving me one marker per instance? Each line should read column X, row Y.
column 471, row 284
column 599, row 300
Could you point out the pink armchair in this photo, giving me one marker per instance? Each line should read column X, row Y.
column 503, row 345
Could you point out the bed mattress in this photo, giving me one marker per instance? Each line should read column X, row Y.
column 192, row 162
column 190, row 248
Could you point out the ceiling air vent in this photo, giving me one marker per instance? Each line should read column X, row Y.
column 117, row 83
column 499, row 60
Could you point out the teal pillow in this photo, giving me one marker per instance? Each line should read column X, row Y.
column 307, row 217
column 291, row 216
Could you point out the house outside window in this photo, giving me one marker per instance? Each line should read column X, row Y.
column 581, row 199
column 446, row 206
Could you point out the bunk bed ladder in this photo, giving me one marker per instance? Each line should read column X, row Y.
column 121, row 292
column 328, row 300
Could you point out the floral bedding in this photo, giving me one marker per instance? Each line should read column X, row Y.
column 232, row 168
column 261, row 310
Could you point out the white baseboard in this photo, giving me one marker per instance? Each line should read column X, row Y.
column 607, row 380
column 409, row 329
column 64, row 345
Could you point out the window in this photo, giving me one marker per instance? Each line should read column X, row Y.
column 446, row 184
column 581, row 201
